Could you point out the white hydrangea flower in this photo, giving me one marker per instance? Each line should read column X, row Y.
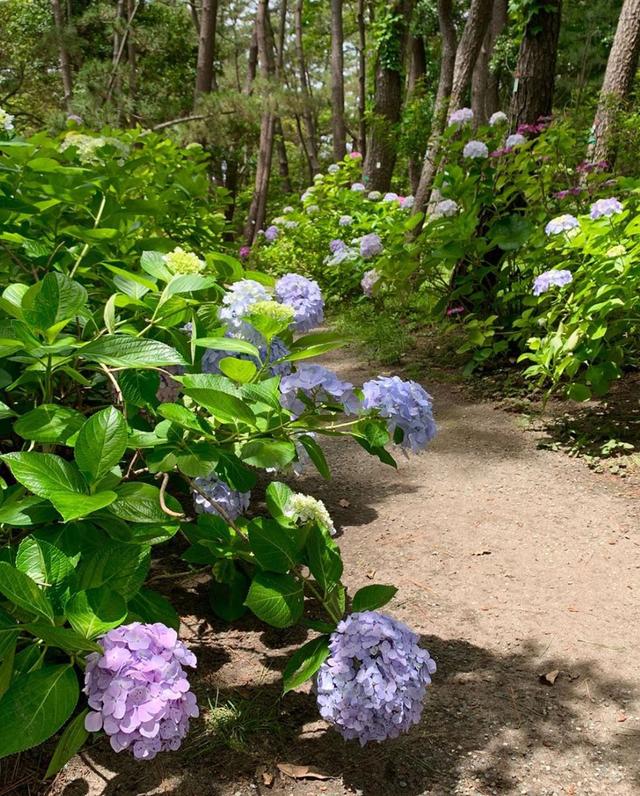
column 517, row 139
column 333, row 168
column 6, row 121
column 312, row 210
column 374, row 195
column 499, row 117
column 304, row 508
column 476, row 150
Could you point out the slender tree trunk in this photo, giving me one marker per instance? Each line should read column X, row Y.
column 617, row 83
column 194, row 16
column 280, row 143
column 252, row 64
column 205, row 76
column 381, row 146
column 484, row 100
column 307, row 115
column 471, row 40
column 536, row 66
column 362, row 79
column 337, row 82
column 415, row 91
column 258, row 208
column 132, row 58
column 63, row 54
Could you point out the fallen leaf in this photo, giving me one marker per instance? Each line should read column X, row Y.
column 266, row 776
column 621, row 717
column 302, row 772
column 344, row 503
column 573, row 609
column 550, row 677
column 371, row 574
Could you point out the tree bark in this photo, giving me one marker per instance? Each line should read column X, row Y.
column 257, row 210
column 132, row 58
column 415, row 90
column 381, row 145
column 307, row 114
column 205, row 75
column 63, row 54
column 280, row 143
column 484, row 91
column 337, row 82
column 536, row 66
column 362, row 79
column 617, row 83
column 471, row 40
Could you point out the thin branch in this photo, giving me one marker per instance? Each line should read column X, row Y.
column 114, row 382
column 118, row 57
column 163, row 489
column 173, row 122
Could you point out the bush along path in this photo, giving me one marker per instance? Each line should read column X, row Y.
column 518, row 569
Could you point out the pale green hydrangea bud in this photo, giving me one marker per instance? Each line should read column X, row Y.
column 281, row 313
column 181, row 262
column 304, row 508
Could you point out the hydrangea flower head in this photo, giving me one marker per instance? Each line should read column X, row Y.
column 517, row 139
column 355, row 155
column 345, row 221
column 318, row 178
column 333, row 168
column 445, row 208
column 346, row 255
column 499, row 117
column 244, row 252
column 6, row 121
column 390, row 197
column 271, row 233
column 372, row 685
column 311, row 210
column 461, row 116
column 181, row 262
column 304, row 297
column 220, row 498
column 306, row 195
column 475, row 149
column 549, row 279
column 288, row 209
column 304, row 508
column 280, row 313
column 405, row 405
column 369, row 281
column 358, row 187
column 336, row 245
column 605, row 208
column 370, row 246
column 563, row 223
column 407, row 202
column 138, row 691
column 238, row 300
column 320, row 385
column 617, row 251
column 276, row 350
column 374, row 196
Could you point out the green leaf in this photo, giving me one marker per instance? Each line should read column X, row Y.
column 224, row 407
column 316, row 454
column 183, row 417
column 227, row 599
column 228, row 344
column 266, row 453
column 8, row 659
column 54, row 300
column 93, row 612
column 273, row 546
column 305, row 662
column 123, row 351
column 188, row 283
column 149, row 606
column 138, row 502
column 24, row 511
column 49, row 423
column 72, row 505
column 369, row 598
column 101, row 443
column 277, row 495
column 49, row 567
column 240, row 370
column 324, row 557
column 24, row 592
column 276, row 599
column 139, row 387
column 121, row 567
column 63, row 638
column 579, row 392
column 153, row 263
column 38, row 704
column 69, row 744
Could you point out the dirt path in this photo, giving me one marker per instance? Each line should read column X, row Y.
column 512, row 562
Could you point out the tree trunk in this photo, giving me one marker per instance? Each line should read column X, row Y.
column 132, row 58
column 194, row 16
column 445, row 82
column 280, row 143
column 362, row 79
column 381, row 146
column 307, row 114
column 258, row 208
column 252, row 63
column 205, row 76
column 467, row 53
column 415, row 91
column 536, row 66
column 63, row 54
column 484, row 99
column 337, row 82
column 617, row 83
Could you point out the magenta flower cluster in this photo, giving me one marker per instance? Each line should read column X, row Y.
column 138, row 691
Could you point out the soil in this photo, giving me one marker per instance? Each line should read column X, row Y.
column 520, row 568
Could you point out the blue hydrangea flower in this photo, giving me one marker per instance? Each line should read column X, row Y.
column 548, row 279
column 320, row 385
column 499, row 117
column 304, row 297
column 461, row 116
column 562, row 223
column 271, row 233
column 604, row 208
column 370, row 246
column 369, row 281
column 358, row 187
column 390, row 197
column 238, row 300
column 219, row 494
column 346, row 255
column 336, row 245
column 405, row 405
column 373, row 684
column 407, row 202
column 517, row 139
column 445, row 208
column 475, row 150
column 213, row 356
column 345, row 221
column 138, row 691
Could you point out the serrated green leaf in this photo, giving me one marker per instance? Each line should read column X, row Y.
column 370, row 598
column 275, row 599
column 101, row 443
column 69, row 744
column 123, row 351
column 305, row 662
column 24, row 592
column 273, row 546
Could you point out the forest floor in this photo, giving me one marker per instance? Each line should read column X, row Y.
column 520, row 568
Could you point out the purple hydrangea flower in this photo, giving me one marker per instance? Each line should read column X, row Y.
column 576, row 191
column 370, row 246
column 138, row 691
column 219, row 494
column 320, row 385
column 405, row 405
column 271, row 233
column 345, row 221
column 546, row 280
column 461, row 116
column 372, row 685
column 475, row 150
column 369, row 281
column 239, row 299
column 277, row 349
column 336, row 245
column 305, row 297
column 390, row 197
column 244, row 252
column 517, row 139
column 358, row 187
column 562, row 223
column 604, row 208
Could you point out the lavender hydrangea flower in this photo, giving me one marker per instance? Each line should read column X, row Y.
column 138, row 691
column 475, row 149
column 336, row 245
column 358, row 187
column 304, row 297
column 405, row 405
column 276, row 350
column 461, row 116
column 345, row 221
column 237, row 302
column 290, row 223
column 369, row 281
column 445, row 208
column 548, row 279
column 499, row 117
column 370, row 246
column 604, row 208
column 346, row 255
column 407, row 202
column 320, row 385
column 219, row 494
column 271, row 233
column 390, row 197
column 372, row 685
column 517, row 139
column 563, row 223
